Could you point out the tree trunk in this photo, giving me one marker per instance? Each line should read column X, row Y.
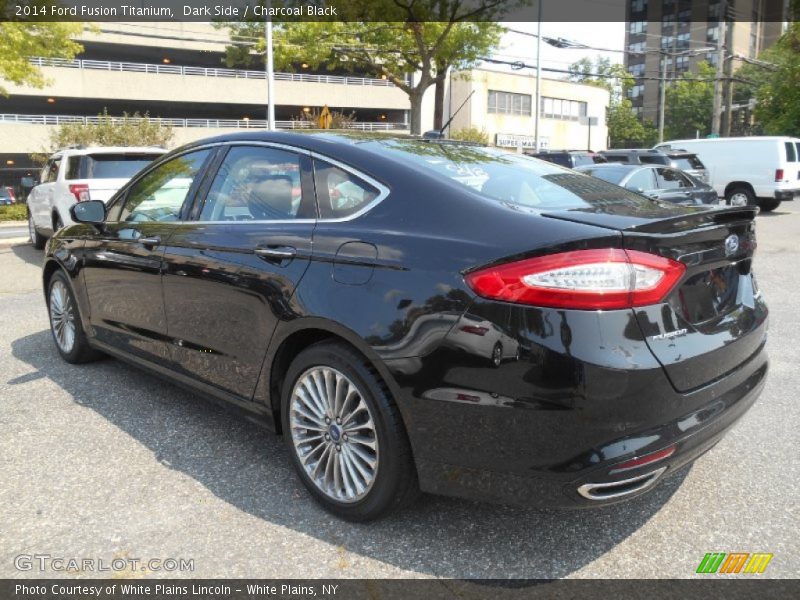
column 438, row 101
column 416, row 112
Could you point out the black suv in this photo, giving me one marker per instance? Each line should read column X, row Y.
column 568, row 158
column 677, row 159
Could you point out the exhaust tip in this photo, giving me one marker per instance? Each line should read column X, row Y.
column 621, row 488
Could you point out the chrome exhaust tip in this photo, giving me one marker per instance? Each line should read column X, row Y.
column 621, row 488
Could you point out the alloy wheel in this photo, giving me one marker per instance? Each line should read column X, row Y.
column 333, row 434
column 739, row 199
column 62, row 317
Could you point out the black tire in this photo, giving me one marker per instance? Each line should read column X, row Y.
column 37, row 239
column 395, row 481
column 736, row 193
column 57, row 223
column 79, row 350
column 768, row 205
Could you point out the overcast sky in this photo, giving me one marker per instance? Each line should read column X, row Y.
column 521, row 47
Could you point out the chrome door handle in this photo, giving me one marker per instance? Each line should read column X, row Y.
column 149, row 241
column 276, row 252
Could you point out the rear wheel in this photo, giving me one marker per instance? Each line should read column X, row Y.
column 37, row 240
column 344, row 433
column 65, row 323
column 497, row 354
column 57, row 223
column 740, row 196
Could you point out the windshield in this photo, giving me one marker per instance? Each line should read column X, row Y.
column 510, row 178
column 112, row 166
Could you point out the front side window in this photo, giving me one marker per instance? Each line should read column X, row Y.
column 670, row 179
column 159, row 195
column 256, row 184
column 339, row 192
column 641, row 180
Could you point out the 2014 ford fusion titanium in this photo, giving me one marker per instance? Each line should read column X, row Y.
column 424, row 315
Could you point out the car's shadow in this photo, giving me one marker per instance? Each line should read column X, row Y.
column 248, row 468
column 28, row 253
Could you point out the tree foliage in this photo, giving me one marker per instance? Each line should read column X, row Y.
column 689, row 104
column 775, row 85
column 471, row 134
column 127, row 130
column 22, row 41
column 625, row 129
column 409, row 44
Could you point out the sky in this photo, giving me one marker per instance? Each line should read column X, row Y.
column 521, row 47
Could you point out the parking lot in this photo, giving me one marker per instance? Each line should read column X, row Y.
column 102, row 461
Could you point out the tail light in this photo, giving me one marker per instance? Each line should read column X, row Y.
column 80, row 191
column 475, row 330
column 645, row 460
column 610, row 278
column 778, row 174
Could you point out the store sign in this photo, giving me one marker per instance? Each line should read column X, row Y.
column 511, row 140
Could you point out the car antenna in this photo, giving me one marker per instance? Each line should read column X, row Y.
column 453, row 116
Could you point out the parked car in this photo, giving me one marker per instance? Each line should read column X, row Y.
column 748, row 171
column 569, row 158
column 653, row 181
column 687, row 162
column 6, row 196
column 638, row 326
column 77, row 174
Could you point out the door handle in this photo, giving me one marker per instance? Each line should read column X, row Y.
column 276, row 252
column 149, row 241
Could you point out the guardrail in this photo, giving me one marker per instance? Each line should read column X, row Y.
column 104, row 65
column 208, row 123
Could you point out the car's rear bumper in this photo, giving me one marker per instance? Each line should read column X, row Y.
column 784, row 195
column 537, row 428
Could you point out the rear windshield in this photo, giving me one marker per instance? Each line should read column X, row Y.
column 653, row 159
column 687, row 163
column 620, row 158
column 108, row 166
column 510, row 178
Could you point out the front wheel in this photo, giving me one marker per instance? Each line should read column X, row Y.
column 344, row 434
column 65, row 322
column 37, row 239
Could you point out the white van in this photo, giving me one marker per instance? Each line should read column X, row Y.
column 748, row 170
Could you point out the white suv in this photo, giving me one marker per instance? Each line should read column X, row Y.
column 76, row 174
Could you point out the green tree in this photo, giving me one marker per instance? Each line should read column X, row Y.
column 22, row 41
column 625, row 129
column 127, row 130
column 689, row 104
column 413, row 45
column 775, row 83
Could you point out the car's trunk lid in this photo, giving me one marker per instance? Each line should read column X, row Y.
column 714, row 319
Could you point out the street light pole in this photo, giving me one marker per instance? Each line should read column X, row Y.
column 538, row 100
column 270, row 76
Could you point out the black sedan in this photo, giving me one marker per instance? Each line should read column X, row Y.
column 655, row 181
column 423, row 315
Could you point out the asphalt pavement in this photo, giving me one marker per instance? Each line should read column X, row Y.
column 102, row 461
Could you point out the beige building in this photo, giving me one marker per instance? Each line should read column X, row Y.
column 571, row 115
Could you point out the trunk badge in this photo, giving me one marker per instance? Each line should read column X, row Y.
column 669, row 335
column 731, row 244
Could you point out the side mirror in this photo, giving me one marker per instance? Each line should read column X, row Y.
column 92, row 212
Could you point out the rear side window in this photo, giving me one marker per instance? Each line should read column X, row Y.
column 791, row 153
column 108, row 166
column 642, row 180
column 339, row 192
column 670, row 179
column 687, row 163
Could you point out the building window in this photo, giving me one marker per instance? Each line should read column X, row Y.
column 684, row 17
column 684, row 40
column 568, row 110
column 635, row 91
column 638, row 6
column 714, row 12
column 712, row 34
column 682, row 63
column 508, row 103
column 667, row 41
column 637, row 47
column 638, row 27
column 711, row 57
column 636, row 70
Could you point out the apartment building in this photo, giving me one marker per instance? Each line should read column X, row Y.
column 669, row 29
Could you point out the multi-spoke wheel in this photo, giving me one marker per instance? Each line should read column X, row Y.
column 65, row 322
column 345, row 435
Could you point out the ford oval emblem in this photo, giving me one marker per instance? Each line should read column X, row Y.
column 731, row 244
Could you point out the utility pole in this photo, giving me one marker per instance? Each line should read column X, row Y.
column 662, row 97
column 716, row 121
column 727, row 86
column 538, row 99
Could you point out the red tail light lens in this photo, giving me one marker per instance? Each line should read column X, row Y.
column 610, row 278
column 475, row 330
column 778, row 174
column 80, row 191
